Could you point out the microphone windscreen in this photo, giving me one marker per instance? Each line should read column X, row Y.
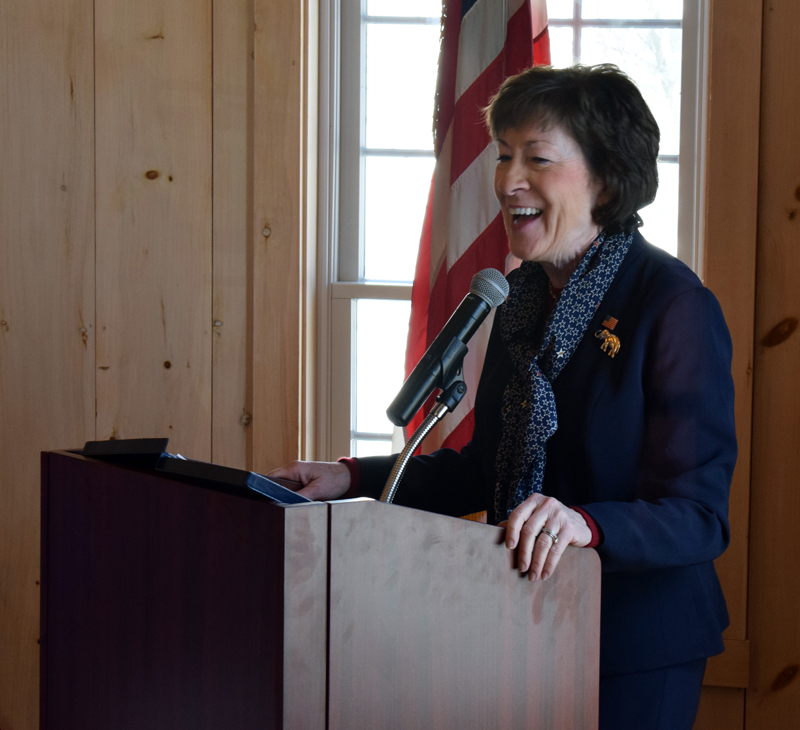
column 490, row 285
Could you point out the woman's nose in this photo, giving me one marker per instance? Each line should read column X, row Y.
column 510, row 178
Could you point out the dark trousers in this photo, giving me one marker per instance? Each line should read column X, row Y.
column 661, row 699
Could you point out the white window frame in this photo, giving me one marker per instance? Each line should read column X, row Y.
column 340, row 264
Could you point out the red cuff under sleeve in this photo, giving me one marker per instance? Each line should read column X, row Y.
column 355, row 476
column 597, row 533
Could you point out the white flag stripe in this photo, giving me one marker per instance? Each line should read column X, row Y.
column 473, row 205
column 482, row 37
column 538, row 17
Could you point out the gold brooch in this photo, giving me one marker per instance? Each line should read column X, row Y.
column 611, row 342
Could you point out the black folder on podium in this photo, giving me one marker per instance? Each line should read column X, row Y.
column 152, row 453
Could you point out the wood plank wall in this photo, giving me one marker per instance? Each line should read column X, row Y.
column 47, row 292
column 232, row 313
column 153, row 221
column 135, row 295
column 755, row 104
column 281, row 219
column 774, row 609
column 730, row 248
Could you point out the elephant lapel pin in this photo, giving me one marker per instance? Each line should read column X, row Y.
column 611, row 342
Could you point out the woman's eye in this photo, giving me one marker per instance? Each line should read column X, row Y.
column 539, row 160
column 504, row 158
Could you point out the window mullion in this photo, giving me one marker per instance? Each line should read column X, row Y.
column 399, row 20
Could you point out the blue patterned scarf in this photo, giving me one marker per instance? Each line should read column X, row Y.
column 528, row 410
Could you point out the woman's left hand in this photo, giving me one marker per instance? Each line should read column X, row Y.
column 528, row 527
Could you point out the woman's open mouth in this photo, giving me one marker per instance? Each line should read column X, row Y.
column 523, row 215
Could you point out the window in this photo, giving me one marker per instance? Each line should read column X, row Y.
column 644, row 39
column 379, row 65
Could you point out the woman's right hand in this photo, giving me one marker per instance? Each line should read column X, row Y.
column 321, row 480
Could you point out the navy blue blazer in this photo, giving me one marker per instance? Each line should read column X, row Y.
column 645, row 444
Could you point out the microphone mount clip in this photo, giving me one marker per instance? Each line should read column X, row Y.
column 455, row 389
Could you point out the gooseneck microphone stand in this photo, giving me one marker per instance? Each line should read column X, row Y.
column 446, row 401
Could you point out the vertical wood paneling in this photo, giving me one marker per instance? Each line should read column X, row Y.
column 730, row 245
column 309, row 292
column 126, row 106
column 46, row 300
column 233, row 212
column 153, row 116
column 720, row 708
column 775, row 539
column 279, row 231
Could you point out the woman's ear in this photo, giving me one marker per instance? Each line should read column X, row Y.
column 601, row 192
column 601, row 197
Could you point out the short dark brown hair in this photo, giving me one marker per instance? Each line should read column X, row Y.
column 604, row 112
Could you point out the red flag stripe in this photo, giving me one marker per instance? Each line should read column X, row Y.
column 541, row 48
column 420, row 291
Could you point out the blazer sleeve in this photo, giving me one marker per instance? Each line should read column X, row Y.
column 679, row 512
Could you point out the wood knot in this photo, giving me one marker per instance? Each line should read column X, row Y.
column 785, row 678
column 167, row 364
column 246, row 419
column 4, row 324
column 780, row 332
column 152, row 174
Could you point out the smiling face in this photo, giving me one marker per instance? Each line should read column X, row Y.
column 547, row 194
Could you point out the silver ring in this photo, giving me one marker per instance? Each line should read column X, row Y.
column 552, row 535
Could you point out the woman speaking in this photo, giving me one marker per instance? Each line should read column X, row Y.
column 604, row 413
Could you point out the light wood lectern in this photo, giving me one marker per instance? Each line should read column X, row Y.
column 170, row 606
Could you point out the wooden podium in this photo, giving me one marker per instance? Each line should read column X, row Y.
column 169, row 606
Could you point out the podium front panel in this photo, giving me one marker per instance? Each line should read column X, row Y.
column 167, row 606
column 432, row 627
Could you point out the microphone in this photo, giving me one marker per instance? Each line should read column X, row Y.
column 443, row 359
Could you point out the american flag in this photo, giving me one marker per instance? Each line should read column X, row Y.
column 484, row 42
